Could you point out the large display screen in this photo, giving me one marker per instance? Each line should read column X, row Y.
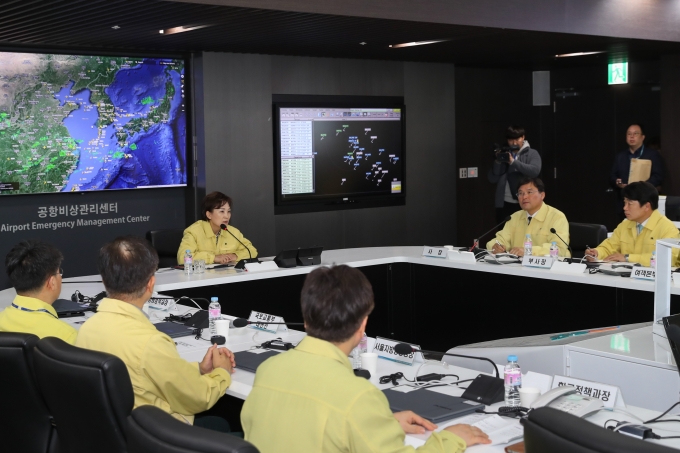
column 71, row 123
column 341, row 153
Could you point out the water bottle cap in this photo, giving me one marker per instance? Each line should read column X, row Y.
column 512, row 358
column 653, row 252
column 213, row 299
column 188, row 251
column 528, row 236
column 554, row 243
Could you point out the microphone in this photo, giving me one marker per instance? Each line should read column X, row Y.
column 241, row 263
column 552, row 230
column 483, row 389
column 405, row 349
column 242, row 322
column 476, row 241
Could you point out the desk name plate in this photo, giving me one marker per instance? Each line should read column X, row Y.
column 643, row 273
column 435, row 252
column 542, row 262
column 261, row 322
column 161, row 303
column 608, row 394
column 385, row 349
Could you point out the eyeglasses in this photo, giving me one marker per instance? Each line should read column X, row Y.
column 529, row 193
column 60, row 272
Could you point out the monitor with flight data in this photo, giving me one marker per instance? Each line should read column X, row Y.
column 72, row 123
column 339, row 152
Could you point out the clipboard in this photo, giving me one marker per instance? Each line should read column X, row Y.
column 640, row 170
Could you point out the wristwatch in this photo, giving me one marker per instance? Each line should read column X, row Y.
column 626, row 257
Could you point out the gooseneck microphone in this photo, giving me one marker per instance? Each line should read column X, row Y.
column 552, row 230
column 405, row 348
column 241, row 263
column 242, row 322
column 475, row 244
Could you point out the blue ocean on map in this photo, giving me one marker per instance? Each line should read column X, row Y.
column 151, row 158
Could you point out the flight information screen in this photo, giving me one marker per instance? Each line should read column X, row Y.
column 72, row 123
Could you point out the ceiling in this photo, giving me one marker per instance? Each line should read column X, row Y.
column 87, row 25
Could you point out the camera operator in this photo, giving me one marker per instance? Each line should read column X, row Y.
column 512, row 163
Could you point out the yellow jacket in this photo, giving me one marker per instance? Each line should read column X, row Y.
column 625, row 239
column 200, row 239
column 308, row 400
column 38, row 323
column 160, row 377
column 514, row 232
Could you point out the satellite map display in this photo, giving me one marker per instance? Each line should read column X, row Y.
column 73, row 123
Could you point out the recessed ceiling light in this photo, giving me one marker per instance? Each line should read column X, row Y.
column 415, row 43
column 181, row 29
column 577, row 54
column 362, row 43
column 115, row 27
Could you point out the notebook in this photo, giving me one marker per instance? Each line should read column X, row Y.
column 249, row 361
column 174, row 330
column 430, row 405
column 68, row 309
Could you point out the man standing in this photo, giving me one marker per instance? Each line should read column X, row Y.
column 308, row 399
column 635, row 138
column 535, row 219
column 160, row 377
column 509, row 168
column 634, row 239
column 33, row 268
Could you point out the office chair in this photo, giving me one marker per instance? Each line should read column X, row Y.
column 25, row 423
column 88, row 393
column 550, row 430
column 673, row 208
column 166, row 243
column 585, row 234
column 151, row 430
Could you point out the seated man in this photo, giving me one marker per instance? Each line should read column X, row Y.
column 309, row 400
column 160, row 377
column 535, row 219
column 634, row 239
column 33, row 268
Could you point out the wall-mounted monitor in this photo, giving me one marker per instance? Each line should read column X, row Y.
column 72, row 123
column 338, row 152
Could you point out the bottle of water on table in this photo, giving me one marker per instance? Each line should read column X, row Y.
column 188, row 263
column 214, row 313
column 528, row 245
column 652, row 261
column 554, row 251
column 513, row 381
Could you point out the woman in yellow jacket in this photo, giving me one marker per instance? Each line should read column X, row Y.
column 208, row 241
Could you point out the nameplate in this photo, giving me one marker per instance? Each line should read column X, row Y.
column 158, row 303
column 542, row 262
column 385, row 349
column 434, row 252
column 564, row 267
column 263, row 266
column 262, row 321
column 461, row 257
column 608, row 394
column 643, row 273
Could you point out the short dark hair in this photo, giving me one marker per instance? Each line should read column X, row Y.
column 126, row 265
column 514, row 132
column 334, row 301
column 640, row 125
column 30, row 263
column 535, row 181
column 214, row 200
column 642, row 192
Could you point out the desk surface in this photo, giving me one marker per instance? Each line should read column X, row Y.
column 171, row 279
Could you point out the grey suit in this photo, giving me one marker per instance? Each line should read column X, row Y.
column 527, row 163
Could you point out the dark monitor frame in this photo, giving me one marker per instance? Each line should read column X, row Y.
column 334, row 202
column 671, row 325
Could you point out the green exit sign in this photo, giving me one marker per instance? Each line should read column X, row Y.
column 617, row 73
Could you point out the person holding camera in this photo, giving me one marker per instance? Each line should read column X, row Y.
column 512, row 163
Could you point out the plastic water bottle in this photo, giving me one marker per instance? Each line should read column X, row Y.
column 214, row 313
column 652, row 261
column 513, row 381
column 360, row 349
column 188, row 263
column 554, row 250
column 528, row 245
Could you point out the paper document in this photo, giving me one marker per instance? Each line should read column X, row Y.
column 640, row 170
column 499, row 429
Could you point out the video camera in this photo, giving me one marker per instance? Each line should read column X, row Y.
column 502, row 153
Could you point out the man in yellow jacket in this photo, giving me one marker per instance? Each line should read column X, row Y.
column 535, row 219
column 634, row 239
column 309, row 400
column 160, row 377
column 33, row 268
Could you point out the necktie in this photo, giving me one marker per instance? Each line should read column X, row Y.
column 639, row 228
column 529, row 220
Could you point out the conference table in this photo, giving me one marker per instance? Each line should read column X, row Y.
column 433, row 302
